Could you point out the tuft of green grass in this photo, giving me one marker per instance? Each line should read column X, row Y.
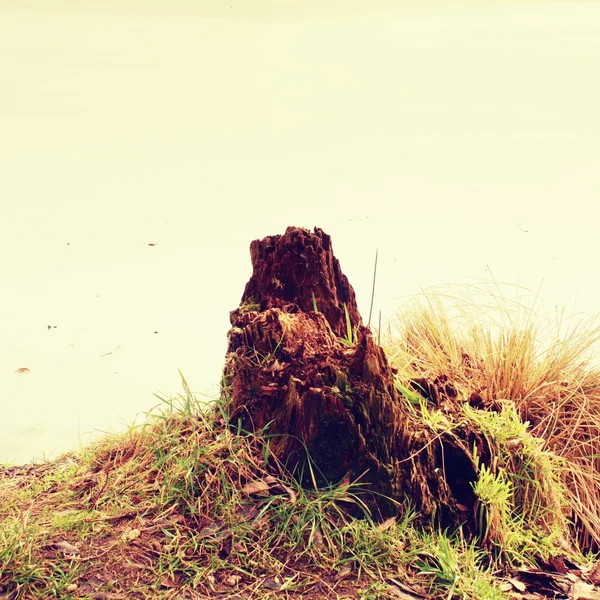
column 456, row 569
column 350, row 339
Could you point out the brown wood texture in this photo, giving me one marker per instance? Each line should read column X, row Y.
column 289, row 372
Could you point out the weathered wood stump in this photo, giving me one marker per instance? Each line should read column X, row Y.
column 289, row 369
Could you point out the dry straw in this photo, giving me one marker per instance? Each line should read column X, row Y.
column 494, row 342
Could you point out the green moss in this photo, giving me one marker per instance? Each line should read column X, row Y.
column 343, row 390
column 341, row 380
column 251, row 305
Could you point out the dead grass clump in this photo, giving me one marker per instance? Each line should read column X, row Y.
column 489, row 351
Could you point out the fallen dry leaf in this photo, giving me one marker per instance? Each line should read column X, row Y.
column 215, row 531
column 385, row 525
column 345, row 482
column 67, row 548
column 256, row 487
column 318, row 537
column 280, row 487
column 411, row 592
column 345, row 570
column 171, row 582
column 248, row 511
column 594, row 574
column 397, row 593
column 130, row 534
column 517, row 584
column 210, row 530
column 233, row 580
column 556, row 564
column 584, row 591
column 272, row 584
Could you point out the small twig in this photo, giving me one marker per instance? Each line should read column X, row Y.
column 373, row 292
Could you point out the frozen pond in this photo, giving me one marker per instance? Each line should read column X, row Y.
column 143, row 148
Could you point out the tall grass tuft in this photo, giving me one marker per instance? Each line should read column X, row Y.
column 495, row 346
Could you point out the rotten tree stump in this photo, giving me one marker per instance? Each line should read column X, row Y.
column 288, row 368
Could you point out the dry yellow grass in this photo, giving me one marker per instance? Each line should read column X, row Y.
column 494, row 345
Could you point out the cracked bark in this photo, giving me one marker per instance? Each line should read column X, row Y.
column 288, row 367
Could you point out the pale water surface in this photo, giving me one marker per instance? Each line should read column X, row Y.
column 454, row 137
